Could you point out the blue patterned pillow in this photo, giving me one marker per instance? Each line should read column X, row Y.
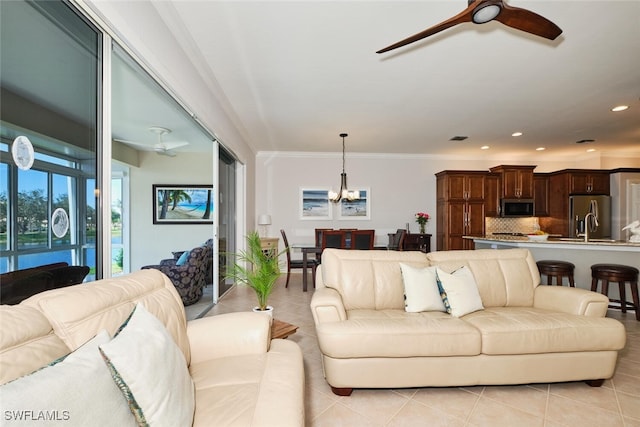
column 443, row 295
column 183, row 258
column 459, row 291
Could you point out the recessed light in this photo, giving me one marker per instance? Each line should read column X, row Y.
column 591, row 150
column 540, row 149
column 620, row 108
column 516, row 134
column 484, row 147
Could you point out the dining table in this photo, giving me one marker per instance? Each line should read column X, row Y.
column 306, row 250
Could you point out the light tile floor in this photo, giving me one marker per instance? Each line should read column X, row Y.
column 616, row 403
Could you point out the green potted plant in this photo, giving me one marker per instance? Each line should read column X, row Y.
column 257, row 269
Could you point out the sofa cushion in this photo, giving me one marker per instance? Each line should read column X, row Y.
column 368, row 279
column 76, row 391
column 250, row 389
column 459, row 291
column 151, row 371
column 78, row 311
column 525, row 330
column 421, row 291
column 27, row 342
column 504, row 277
column 396, row 333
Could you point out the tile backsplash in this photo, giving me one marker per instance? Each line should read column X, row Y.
column 510, row 225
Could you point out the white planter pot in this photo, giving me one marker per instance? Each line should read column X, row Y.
column 268, row 311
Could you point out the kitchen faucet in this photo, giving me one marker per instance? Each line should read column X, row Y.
column 586, row 226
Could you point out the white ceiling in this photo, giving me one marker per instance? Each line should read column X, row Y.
column 297, row 73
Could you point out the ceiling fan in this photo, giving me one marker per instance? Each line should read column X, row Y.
column 483, row 11
column 162, row 148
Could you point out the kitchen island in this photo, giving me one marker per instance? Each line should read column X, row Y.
column 582, row 254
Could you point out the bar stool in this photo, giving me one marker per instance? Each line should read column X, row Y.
column 557, row 269
column 621, row 274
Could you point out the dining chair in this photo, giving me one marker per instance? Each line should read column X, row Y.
column 396, row 240
column 334, row 239
column 318, row 234
column 362, row 239
column 297, row 263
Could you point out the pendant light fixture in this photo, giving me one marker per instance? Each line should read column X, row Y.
column 344, row 192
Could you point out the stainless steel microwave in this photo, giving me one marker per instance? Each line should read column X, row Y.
column 516, row 208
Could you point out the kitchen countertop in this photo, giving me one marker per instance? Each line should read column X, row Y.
column 559, row 243
column 583, row 255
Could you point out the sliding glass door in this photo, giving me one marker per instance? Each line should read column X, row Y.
column 50, row 74
column 226, row 216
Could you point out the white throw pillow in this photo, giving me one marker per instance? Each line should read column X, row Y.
column 459, row 291
column 76, row 391
column 421, row 291
column 151, row 372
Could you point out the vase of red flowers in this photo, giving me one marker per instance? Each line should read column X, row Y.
column 422, row 218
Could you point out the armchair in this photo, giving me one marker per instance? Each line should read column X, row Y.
column 189, row 278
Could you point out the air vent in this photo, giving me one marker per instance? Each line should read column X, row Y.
column 585, row 141
column 458, row 138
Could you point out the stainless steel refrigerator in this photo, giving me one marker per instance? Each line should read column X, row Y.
column 580, row 206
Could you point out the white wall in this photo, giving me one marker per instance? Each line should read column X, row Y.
column 152, row 242
column 400, row 186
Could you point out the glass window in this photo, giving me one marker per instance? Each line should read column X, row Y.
column 117, row 227
column 50, row 73
column 63, row 197
column 32, row 212
column 4, row 207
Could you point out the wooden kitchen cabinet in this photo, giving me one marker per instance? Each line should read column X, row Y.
column 517, row 181
column 492, row 194
column 589, row 182
column 461, row 185
column 541, row 194
column 460, row 208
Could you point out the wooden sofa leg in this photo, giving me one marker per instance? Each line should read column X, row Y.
column 342, row 391
column 595, row 383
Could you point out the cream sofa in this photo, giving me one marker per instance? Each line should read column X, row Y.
column 241, row 377
column 526, row 333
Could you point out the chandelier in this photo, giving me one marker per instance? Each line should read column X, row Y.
column 344, row 192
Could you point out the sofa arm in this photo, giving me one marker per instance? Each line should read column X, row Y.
column 228, row 334
column 327, row 306
column 571, row 300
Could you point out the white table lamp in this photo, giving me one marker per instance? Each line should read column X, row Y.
column 264, row 221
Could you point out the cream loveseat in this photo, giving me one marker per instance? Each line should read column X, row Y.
column 238, row 375
column 525, row 332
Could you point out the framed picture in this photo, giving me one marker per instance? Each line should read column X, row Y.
column 315, row 204
column 356, row 209
column 183, row 204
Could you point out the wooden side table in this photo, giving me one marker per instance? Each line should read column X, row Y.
column 280, row 329
column 269, row 245
column 417, row 242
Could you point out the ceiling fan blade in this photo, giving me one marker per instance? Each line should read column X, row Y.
column 171, row 145
column 165, row 152
column 530, row 22
column 464, row 16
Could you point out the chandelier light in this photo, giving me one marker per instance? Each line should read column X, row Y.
column 344, row 192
